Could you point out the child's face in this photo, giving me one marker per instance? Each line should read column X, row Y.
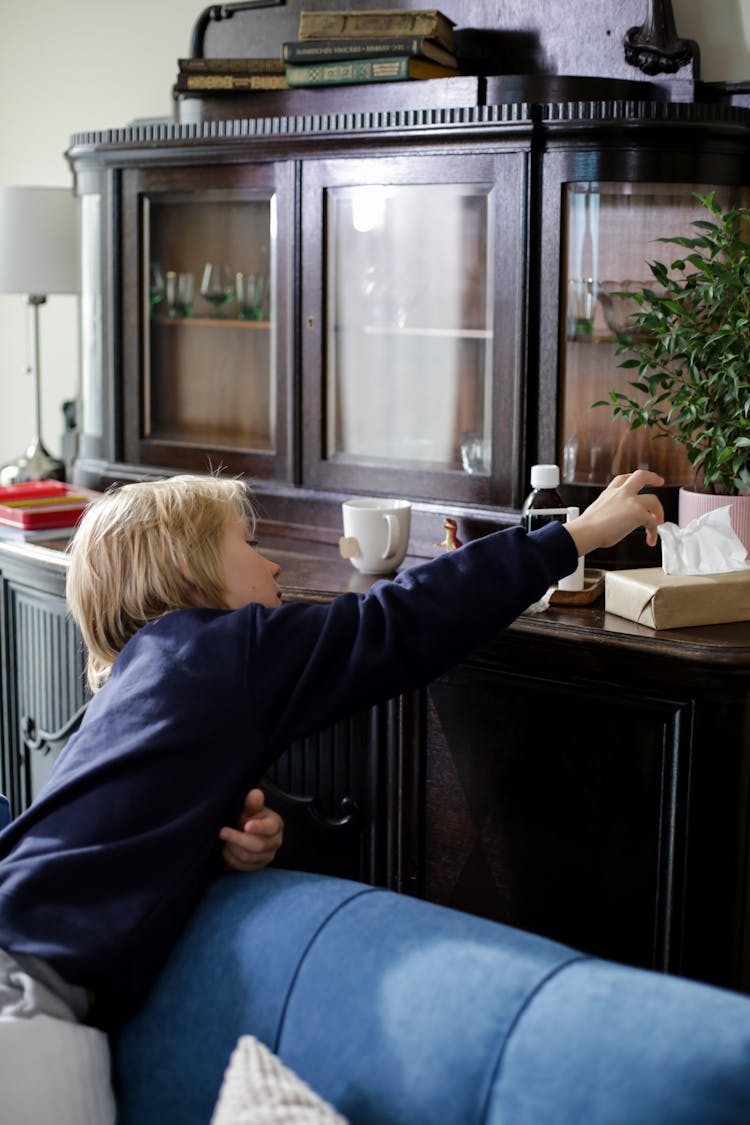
column 248, row 576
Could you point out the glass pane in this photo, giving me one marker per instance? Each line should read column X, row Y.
column 92, row 372
column 409, row 325
column 210, row 289
column 611, row 232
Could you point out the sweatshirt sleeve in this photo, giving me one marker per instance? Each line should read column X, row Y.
column 335, row 659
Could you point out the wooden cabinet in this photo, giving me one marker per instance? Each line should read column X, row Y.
column 587, row 779
column 43, row 680
column 340, row 790
column 438, row 264
column 580, row 776
column 393, row 260
column 437, row 311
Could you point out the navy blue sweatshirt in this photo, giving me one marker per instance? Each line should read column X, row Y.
column 99, row 875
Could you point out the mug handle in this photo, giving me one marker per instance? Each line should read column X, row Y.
column 391, row 547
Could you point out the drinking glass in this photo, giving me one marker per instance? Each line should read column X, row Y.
column 250, row 288
column 475, row 452
column 179, row 293
column 217, row 285
column 582, row 293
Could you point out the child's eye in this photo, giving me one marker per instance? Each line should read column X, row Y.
column 252, row 541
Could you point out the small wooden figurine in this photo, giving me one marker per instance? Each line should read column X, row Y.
column 451, row 541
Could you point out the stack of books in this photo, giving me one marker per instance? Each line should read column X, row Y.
column 41, row 510
column 387, row 45
column 217, row 75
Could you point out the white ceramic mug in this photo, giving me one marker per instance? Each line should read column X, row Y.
column 376, row 534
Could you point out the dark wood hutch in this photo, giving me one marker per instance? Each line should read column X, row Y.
column 434, row 317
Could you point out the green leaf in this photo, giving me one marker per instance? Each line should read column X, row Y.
column 659, row 270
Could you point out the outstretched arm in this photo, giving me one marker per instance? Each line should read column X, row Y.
column 253, row 844
column 332, row 660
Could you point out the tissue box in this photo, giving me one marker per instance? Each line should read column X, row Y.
column 673, row 601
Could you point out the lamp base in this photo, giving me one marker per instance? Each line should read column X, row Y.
column 35, row 464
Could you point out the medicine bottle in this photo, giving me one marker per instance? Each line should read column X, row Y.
column 544, row 503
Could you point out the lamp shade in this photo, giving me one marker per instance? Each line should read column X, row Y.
column 38, row 241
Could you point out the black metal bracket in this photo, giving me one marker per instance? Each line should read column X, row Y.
column 655, row 47
column 222, row 12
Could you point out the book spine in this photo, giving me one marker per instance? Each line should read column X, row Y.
column 231, row 82
column 345, row 73
column 21, row 535
column 319, row 50
column 325, row 25
column 230, row 66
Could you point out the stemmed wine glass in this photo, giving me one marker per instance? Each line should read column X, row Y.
column 217, row 285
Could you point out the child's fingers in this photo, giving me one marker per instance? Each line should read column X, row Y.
column 260, row 829
column 254, row 803
column 264, row 823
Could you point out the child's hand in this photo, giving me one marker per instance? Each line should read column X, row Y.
column 618, row 510
column 254, row 843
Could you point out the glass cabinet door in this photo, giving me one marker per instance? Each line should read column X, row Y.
column 210, row 313
column 611, row 232
column 404, row 333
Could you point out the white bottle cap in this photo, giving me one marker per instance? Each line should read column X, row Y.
column 545, row 476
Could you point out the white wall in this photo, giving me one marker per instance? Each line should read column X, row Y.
column 90, row 64
column 65, row 67
column 722, row 30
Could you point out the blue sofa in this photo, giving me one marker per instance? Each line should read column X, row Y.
column 397, row 1010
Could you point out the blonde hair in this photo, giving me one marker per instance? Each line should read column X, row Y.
column 142, row 550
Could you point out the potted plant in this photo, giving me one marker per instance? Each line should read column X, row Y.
column 688, row 339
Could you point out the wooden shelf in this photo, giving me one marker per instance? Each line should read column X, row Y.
column 209, row 322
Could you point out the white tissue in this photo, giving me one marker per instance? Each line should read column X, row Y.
column 542, row 605
column 708, row 545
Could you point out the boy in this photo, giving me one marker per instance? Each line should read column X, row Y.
column 201, row 678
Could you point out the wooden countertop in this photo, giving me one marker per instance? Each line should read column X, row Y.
column 314, row 570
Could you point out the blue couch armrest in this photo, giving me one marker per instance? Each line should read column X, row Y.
column 397, row 1010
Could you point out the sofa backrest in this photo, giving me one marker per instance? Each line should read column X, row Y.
column 394, row 1009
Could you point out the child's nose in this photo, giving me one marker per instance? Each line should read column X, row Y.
column 275, row 567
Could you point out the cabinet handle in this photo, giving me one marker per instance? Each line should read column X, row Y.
column 37, row 739
column 310, row 323
column 351, row 814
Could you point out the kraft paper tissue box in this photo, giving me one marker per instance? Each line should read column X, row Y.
column 674, row 601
